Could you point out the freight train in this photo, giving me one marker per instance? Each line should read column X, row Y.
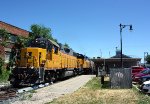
column 45, row 60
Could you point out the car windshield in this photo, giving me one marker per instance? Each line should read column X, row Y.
column 143, row 71
column 146, row 71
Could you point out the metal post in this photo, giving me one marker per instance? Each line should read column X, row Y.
column 121, row 27
column 102, row 79
column 104, row 65
column 121, row 44
column 97, row 72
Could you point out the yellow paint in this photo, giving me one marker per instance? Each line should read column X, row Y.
column 30, row 56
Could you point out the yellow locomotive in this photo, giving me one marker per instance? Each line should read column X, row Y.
column 46, row 61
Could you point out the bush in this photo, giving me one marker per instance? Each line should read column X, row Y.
column 4, row 74
column 1, row 65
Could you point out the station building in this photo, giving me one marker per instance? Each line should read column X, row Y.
column 115, row 61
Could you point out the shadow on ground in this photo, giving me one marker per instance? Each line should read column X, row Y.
column 106, row 85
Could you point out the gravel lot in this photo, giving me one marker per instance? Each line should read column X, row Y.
column 56, row 90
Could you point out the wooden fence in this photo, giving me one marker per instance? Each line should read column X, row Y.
column 120, row 78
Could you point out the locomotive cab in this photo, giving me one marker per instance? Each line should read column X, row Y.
column 30, row 68
column 83, row 63
column 32, row 57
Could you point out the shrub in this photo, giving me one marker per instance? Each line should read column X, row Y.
column 1, row 65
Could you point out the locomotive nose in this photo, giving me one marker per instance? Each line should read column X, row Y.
column 33, row 57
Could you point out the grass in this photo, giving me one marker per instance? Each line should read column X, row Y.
column 4, row 76
column 82, row 96
column 33, row 91
column 95, row 93
column 142, row 98
column 93, row 84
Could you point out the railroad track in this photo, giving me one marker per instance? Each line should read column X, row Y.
column 7, row 92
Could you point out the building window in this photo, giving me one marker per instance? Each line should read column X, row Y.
column 12, row 38
column 7, row 56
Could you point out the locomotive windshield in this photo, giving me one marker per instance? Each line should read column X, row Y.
column 80, row 56
column 38, row 43
column 41, row 43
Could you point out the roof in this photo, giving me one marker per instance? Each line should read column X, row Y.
column 119, row 56
column 13, row 29
column 67, row 50
column 53, row 42
column 117, row 59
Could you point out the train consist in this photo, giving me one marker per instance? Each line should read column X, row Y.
column 46, row 61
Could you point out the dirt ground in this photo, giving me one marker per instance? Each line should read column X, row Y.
column 47, row 94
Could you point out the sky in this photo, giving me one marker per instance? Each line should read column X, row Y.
column 90, row 27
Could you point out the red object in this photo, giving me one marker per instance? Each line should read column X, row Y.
column 136, row 77
column 136, row 70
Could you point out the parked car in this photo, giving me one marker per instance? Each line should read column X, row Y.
column 136, row 78
column 145, row 87
column 136, row 69
column 144, row 78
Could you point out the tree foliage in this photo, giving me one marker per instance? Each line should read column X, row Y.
column 21, row 41
column 1, row 64
column 16, row 49
column 5, row 36
column 40, row 30
column 148, row 59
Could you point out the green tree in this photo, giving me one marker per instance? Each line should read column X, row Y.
column 40, row 30
column 148, row 59
column 21, row 42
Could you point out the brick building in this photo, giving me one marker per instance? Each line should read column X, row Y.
column 13, row 31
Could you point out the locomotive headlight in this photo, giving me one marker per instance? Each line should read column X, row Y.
column 32, row 67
